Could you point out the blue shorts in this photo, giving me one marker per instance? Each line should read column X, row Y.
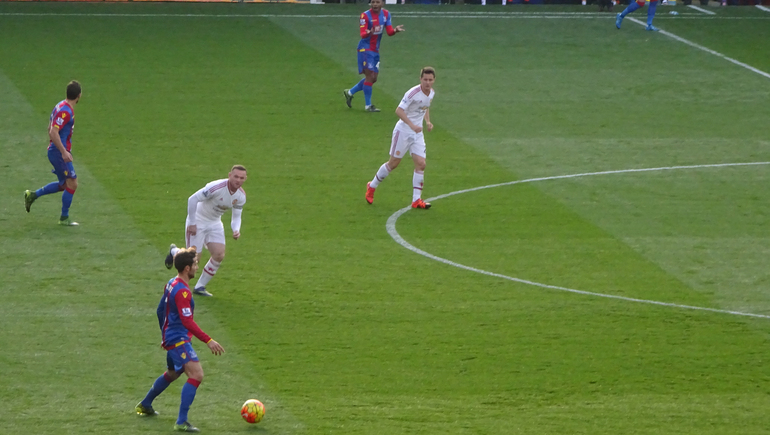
column 62, row 169
column 368, row 60
column 177, row 357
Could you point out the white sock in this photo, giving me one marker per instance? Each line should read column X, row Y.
column 381, row 174
column 174, row 251
column 208, row 272
column 417, row 182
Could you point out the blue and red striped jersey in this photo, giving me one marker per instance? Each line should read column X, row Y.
column 63, row 119
column 175, row 315
column 377, row 23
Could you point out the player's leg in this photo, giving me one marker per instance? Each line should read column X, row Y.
column 417, row 150
column 398, row 146
column 651, row 14
column 215, row 243
column 371, row 78
column 145, row 406
column 59, row 168
column 70, row 186
column 634, row 5
column 194, row 373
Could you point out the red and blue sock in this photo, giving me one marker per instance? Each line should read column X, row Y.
column 158, row 387
column 368, row 93
column 188, row 395
column 357, row 88
column 66, row 201
column 651, row 11
column 49, row 188
column 634, row 5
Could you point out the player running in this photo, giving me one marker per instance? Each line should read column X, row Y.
column 203, row 227
column 372, row 23
column 634, row 5
column 175, row 316
column 60, row 128
column 408, row 137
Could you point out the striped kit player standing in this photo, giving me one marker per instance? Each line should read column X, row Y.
column 203, row 227
column 408, row 137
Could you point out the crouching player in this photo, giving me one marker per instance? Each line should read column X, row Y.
column 175, row 315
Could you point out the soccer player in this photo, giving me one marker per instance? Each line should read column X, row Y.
column 204, row 222
column 372, row 23
column 175, row 316
column 60, row 128
column 634, row 5
column 408, row 137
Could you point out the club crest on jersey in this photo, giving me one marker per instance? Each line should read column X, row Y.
column 235, row 201
column 398, row 153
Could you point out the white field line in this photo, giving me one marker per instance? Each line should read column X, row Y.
column 763, row 8
column 405, row 15
column 705, row 11
column 707, row 50
column 391, row 228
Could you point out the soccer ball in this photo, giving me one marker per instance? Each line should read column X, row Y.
column 252, row 411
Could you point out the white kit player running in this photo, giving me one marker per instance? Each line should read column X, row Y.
column 408, row 137
column 203, row 227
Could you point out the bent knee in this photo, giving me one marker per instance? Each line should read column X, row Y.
column 71, row 184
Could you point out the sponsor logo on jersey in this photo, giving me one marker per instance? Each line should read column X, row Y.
column 184, row 355
column 377, row 30
column 184, row 295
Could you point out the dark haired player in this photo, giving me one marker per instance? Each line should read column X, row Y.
column 60, row 128
column 371, row 25
column 175, row 316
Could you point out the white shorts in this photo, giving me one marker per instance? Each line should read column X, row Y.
column 404, row 142
column 208, row 232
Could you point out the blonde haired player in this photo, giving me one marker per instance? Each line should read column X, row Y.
column 408, row 137
column 203, row 227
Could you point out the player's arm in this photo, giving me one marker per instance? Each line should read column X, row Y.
column 364, row 27
column 235, row 221
column 192, row 209
column 402, row 115
column 182, row 299
column 428, row 124
column 53, row 134
column 161, row 311
column 390, row 29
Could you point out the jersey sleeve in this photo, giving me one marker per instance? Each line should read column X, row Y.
column 60, row 118
column 406, row 101
column 388, row 25
column 363, row 25
column 182, row 299
column 161, row 311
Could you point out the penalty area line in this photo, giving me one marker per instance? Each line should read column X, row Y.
column 390, row 226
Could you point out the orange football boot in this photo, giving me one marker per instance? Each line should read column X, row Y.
column 421, row 204
column 369, row 193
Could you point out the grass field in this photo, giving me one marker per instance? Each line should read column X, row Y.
column 325, row 318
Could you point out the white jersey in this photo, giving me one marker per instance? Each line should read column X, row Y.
column 214, row 200
column 415, row 103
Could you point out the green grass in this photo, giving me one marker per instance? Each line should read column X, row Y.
column 335, row 327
